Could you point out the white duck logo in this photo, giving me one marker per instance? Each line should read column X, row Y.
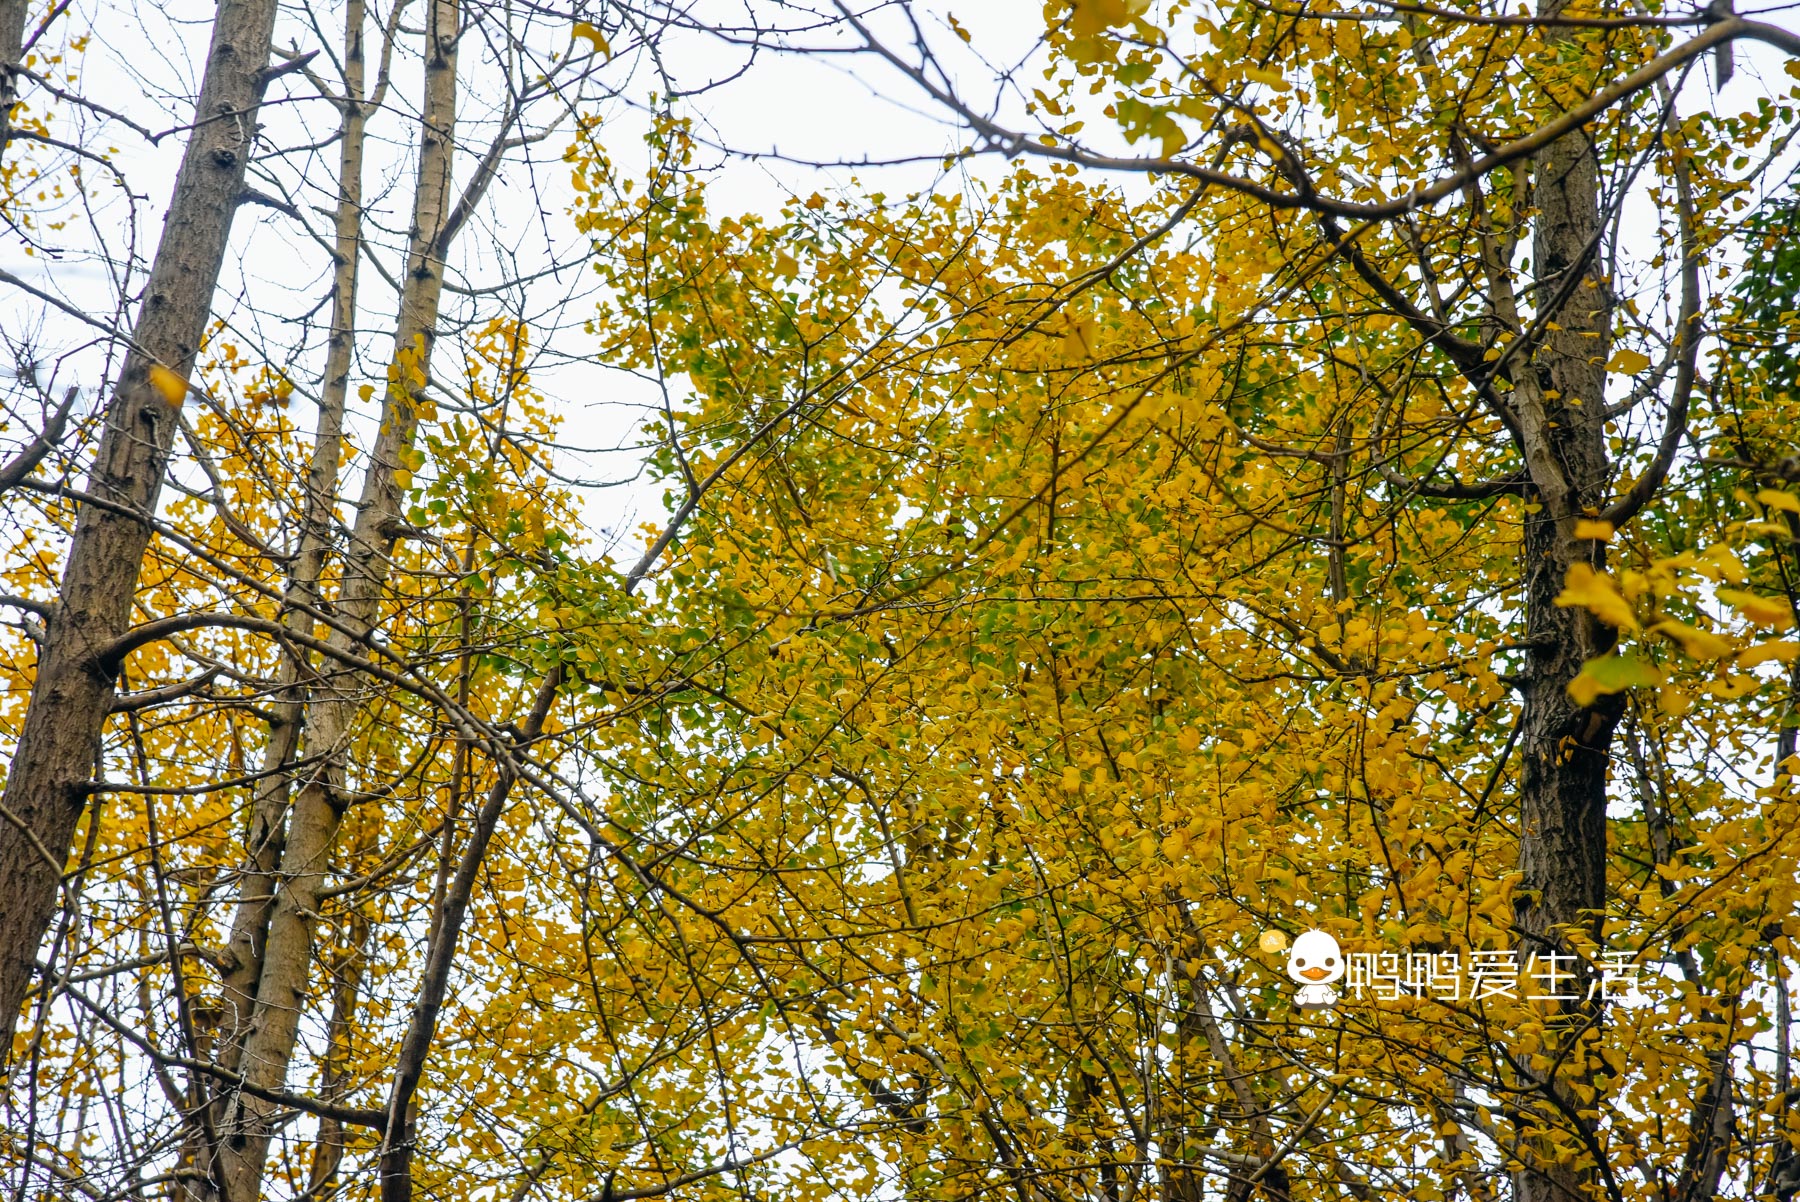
column 1314, row 963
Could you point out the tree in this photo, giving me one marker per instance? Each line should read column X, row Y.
column 1156, row 573
column 47, row 782
column 1064, row 587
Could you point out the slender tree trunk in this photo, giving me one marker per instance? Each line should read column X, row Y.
column 269, row 811
column 1559, row 397
column 336, row 1074
column 319, row 805
column 48, row 780
column 268, row 815
column 12, row 43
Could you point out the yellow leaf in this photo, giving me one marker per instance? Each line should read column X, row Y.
column 1733, row 687
column 1188, row 739
column 1078, row 343
column 1598, row 531
column 1628, row 361
column 1071, row 778
column 1779, row 500
column 1694, row 642
column 169, row 386
column 1726, row 564
column 1782, row 650
column 1593, row 592
column 1090, row 17
column 1761, row 611
column 584, row 30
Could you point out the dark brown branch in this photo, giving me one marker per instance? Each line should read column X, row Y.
column 144, row 699
column 33, row 452
column 281, row 1097
column 397, row 1144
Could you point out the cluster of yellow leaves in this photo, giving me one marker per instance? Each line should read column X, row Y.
column 1043, row 703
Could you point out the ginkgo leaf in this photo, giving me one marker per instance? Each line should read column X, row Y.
column 1776, row 499
column 1694, row 642
column 1673, row 702
column 1593, row 592
column 586, row 30
column 1612, row 674
column 1078, row 343
column 1761, row 611
column 1597, row 530
column 1090, row 17
column 1779, row 650
column 168, row 385
column 1628, row 361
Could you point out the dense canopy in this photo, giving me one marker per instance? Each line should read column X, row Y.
column 1280, row 481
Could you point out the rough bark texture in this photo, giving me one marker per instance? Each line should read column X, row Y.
column 12, row 41
column 268, row 814
column 319, row 804
column 47, row 782
column 1564, row 747
column 269, row 811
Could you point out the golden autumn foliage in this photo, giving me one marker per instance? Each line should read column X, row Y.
column 1379, row 518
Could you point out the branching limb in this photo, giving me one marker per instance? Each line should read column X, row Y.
column 22, row 464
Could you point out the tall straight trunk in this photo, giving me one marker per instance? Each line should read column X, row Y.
column 48, row 781
column 1559, row 397
column 318, row 807
column 12, row 44
column 263, row 842
column 337, row 1073
column 268, row 814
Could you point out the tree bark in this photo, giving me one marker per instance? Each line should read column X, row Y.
column 48, row 782
column 266, row 835
column 1559, row 400
column 319, row 805
column 269, row 811
column 12, row 44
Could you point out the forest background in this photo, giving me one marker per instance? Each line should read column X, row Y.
column 626, row 600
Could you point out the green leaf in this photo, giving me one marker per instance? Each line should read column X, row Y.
column 1612, row 674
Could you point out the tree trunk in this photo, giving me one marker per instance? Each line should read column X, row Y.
column 48, row 782
column 1559, row 400
column 264, row 840
column 12, row 42
column 269, row 811
column 318, row 807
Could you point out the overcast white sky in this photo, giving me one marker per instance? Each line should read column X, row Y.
column 144, row 61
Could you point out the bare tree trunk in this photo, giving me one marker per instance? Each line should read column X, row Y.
column 269, row 811
column 12, row 46
column 1559, row 400
column 319, row 805
column 48, row 781
column 268, row 816
column 336, row 1074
